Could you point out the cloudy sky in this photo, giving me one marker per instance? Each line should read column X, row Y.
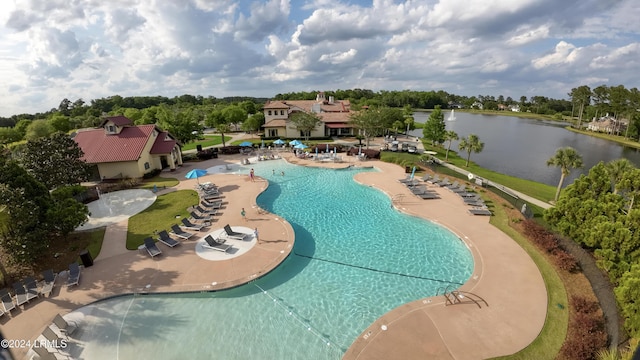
column 55, row 49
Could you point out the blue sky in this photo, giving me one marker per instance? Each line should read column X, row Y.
column 55, row 49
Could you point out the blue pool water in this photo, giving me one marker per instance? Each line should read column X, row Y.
column 355, row 258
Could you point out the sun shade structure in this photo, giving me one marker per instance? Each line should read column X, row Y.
column 294, row 142
column 278, row 142
column 246, row 144
column 195, row 174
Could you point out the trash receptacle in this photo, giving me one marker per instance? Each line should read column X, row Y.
column 407, row 169
column 86, row 258
column 198, row 148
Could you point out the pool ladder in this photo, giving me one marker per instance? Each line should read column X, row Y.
column 458, row 297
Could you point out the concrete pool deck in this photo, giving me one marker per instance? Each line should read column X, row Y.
column 504, row 275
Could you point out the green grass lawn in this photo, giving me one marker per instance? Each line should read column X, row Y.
column 160, row 182
column 548, row 343
column 168, row 209
column 95, row 238
column 209, row 140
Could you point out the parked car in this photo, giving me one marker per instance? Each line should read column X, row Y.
column 412, row 149
column 405, row 147
column 394, row 146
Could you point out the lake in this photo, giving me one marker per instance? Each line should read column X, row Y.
column 521, row 147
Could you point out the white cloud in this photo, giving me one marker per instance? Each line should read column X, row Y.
column 50, row 50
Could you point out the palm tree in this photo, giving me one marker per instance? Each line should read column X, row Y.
column 469, row 144
column 566, row 158
column 617, row 169
column 449, row 136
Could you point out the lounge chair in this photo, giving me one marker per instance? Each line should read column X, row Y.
column 44, row 354
column 478, row 203
column 234, row 235
column 444, row 182
column 473, row 200
column 480, row 211
column 166, row 239
column 454, row 185
column 191, row 226
column 201, row 217
column 7, row 302
column 49, row 282
column 210, row 197
column 204, row 211
column 177, row 231
column 74, row 274
column 211, row 205
column 434, row 179
column 467, row 194
column 459, row 189
column 211, row 243
column 32, row 288
column 64, row 326
column 416, row 190
column 426, row 177
column 151, row 247
column 21, row 293
column 409, row 178
column 428, row 196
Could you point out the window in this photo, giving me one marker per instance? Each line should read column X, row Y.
column 269, row 112
column 111, row 128
column 273, row 132
column 305, row 133
column 146, row 166
column 281, row 112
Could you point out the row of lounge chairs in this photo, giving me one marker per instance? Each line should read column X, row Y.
column 478, row 207
column 200, row 218
column 57, row 333
column 29, row 289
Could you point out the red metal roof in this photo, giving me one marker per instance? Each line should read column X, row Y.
column 117, row 120
column 100, row 147
column 164, row 144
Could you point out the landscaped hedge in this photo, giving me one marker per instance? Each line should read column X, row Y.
column 587, row 327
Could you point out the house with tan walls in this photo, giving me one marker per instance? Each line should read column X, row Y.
column 120, row 149
column 334, row 116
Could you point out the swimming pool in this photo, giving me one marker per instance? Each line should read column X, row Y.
column 355, row 258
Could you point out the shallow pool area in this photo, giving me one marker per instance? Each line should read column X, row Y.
column 355, row 258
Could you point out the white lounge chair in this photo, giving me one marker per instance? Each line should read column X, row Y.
column 7, row 302
column 49, row 282
column 191, row 226
column 164, row 238
column 64, row 326
column 177, row 231
column 211, row 243
column 151, row 247
column 21, row 293
column 32, row 288
column 234, row 235
column 74, row 274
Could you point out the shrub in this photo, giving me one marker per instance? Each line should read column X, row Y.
column 588, row 336
column 565, row 261
column 583, row 305
column 151, row 174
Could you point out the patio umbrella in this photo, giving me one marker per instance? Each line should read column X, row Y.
column 278, row 142
column 246, row 143
column 294, row 143
column 262, row 146
column 301, row 146
column 195, row 174
column 413, row 172
column 327, row 148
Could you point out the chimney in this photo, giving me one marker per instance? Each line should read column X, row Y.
column 330, row 99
